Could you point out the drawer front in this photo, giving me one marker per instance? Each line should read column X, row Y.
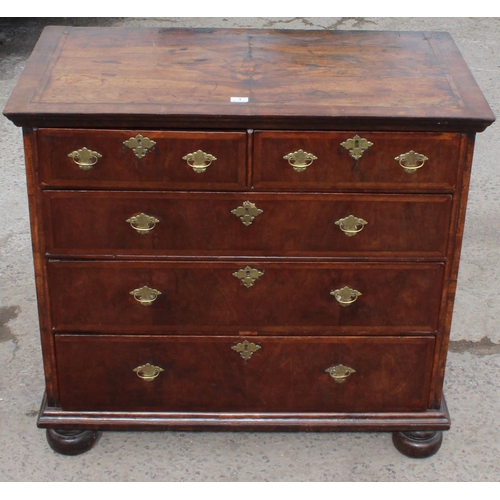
column 260, row 297
column 217, row 224
column 318, row 160
column 119, row 159
column 218, row 374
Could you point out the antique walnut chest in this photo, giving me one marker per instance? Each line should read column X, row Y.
column 246, row 229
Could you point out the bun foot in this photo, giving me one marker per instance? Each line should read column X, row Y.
column 69, row 442
column 418, row 444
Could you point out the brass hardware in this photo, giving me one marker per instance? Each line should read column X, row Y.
column 351, row 225
column 143, row 223
column 199, row 161
column 247, row 212
column 85, row 158
column 148, row 372
column 246, row 349
column 140, row 145
column 411, row 161
column 145, row 295
column 300, row 160
column 248, row 275
column 339, row 373
column 356, row 146
column 345, row 296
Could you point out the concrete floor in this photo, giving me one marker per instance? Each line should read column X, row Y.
column 471, row 449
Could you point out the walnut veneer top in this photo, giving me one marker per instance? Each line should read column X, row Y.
column 155, row 77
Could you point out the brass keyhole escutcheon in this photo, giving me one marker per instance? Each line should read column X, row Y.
column 356, row 146
column 85, row 158
column 145, row 295
column 148, row 372
column 300, row 160
column 339, row 373
column 351, row 225
column 199, row 161
column 143, row 223
column 246, row 349
column 140, row 145
column 248, row 275
column 247, row 212
column 411, row 161
column 345, row 296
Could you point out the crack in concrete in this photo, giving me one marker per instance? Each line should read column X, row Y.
column 484, row 347
column 356, row 22
column 352, row 22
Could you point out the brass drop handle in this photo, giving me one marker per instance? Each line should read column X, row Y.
column 346, row 295
column 300, row 160
column 85, row 158
column 339, row 373
column 411, row 161
column 143, row 223
column 145, row 295
column 199, row 161
column 351, row 225
column 148, row 372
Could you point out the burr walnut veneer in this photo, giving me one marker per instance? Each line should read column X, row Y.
column 246, row 229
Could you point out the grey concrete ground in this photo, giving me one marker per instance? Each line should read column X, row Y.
column 471, row 449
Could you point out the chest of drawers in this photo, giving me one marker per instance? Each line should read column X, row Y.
column 246, row 229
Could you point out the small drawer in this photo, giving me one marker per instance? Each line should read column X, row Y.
column 364, row 161
column 260, row 297
column 257, row 374
column 226, row 224
column 142, row 159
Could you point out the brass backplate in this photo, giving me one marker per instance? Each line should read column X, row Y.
column 356, row 146
column 140, row 145
column 248, row 275
column 246, row 349
column 247, row 212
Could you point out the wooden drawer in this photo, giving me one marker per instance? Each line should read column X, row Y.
column 376, row 168
column 189, row 224
column 209, row 374
column 160, row 167
column 208, row 297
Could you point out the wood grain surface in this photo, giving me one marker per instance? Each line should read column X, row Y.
column 319, row 79
column 206, row 374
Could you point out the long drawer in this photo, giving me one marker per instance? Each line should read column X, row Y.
column 142, row 159
column 244, row 296
column 270, row 374
column 226, row 224
column 371, row 161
